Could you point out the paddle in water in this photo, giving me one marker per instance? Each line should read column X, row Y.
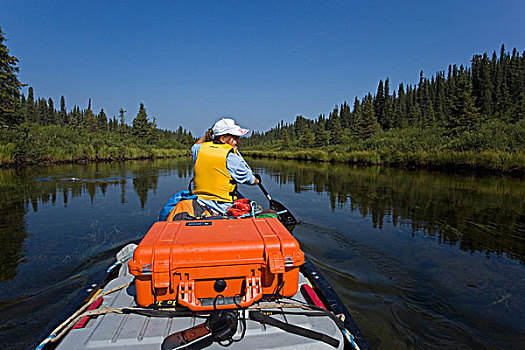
column 285, row 216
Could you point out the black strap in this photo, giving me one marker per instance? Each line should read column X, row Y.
column 189, row 185
column 198, row 209
column 160, row 313
column 319, row 313
column 308, row 333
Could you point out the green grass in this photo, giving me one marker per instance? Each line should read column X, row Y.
column 494, row 146
column 31, row 143
column 486, row 160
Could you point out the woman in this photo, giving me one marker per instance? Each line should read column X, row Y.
column 219, row 167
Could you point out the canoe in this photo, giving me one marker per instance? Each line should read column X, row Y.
column 110, row 319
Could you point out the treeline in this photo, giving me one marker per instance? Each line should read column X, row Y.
column 35, row 129
column 481, row 107
column 41, row 132
column 44, row 113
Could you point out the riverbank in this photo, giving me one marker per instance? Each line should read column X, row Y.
column 37, row 144
column 106, row 155
column 490, row 161
column 60, row 156
column 512, row 164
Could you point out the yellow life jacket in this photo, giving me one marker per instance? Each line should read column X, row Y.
column 212, row 179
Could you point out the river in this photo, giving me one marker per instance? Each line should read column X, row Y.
column 422, row 259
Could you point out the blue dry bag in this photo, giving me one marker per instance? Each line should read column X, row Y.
column 172, row 202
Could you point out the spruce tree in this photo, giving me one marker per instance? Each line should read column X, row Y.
column 322, row 136
column 180, row 134
column 90, row 122
column 336, row 134
column 74, row 117
column 346, row 115
column 63, row 111
column 439, row 106
column 388, row 110
column 400, row 111
column 122, row 125
column 41, row 111
column 9, row 85
column 285, row 139
column 431, row 115
column 141, row 124
column 307, row 139
column 22, row 109
column 153, row 133
column 51, row 113
column 379, row 103
column 464, row 114
column 102, row 120
column 30, row 106
column 370, row 124
column 356, row 128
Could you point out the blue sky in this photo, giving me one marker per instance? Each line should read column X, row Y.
column 191, row 62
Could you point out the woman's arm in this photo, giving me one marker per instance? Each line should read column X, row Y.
column 208, row 136
column 201, row 140
column 239, row 170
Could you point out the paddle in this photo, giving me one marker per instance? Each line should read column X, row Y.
column 285, row 216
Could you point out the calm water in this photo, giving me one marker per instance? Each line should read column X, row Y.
column 422, row 259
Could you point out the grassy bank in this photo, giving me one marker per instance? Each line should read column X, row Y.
column 495, row 147
column 88, row 154
column 36, row 144
column 494, row 161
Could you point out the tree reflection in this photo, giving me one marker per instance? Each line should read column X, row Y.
column 477, row 213
column 28, row 188
column 13, row 207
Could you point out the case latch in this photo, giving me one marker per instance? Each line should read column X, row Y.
column 276, row 262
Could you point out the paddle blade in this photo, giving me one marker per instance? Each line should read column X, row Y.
column 285, row 216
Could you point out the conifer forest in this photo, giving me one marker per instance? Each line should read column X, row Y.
column 460, row 117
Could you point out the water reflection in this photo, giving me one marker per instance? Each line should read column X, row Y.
column 458, row 210
column 25, row 190
column 13, row 206
column 60, row 227
column 485, row 214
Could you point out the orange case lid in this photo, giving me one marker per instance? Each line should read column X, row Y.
column 171, row 245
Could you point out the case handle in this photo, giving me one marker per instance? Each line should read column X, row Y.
column 186, row 296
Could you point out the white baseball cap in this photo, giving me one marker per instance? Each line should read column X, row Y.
column 227, row 126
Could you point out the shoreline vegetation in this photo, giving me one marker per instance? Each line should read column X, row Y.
column 31, row 144
column 512, row 164
column 109, row 155
column 469, row 118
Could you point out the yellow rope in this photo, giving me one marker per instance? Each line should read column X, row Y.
column 68, row 324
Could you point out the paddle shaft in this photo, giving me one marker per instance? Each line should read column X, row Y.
column 287, row 217
column 264, row 191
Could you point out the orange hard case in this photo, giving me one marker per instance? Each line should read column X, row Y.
column 186, row 261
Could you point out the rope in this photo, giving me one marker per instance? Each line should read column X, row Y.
column 63, row 328
column 350, row 338
column 68, row 324
column 77, row 316
column 113, row 266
